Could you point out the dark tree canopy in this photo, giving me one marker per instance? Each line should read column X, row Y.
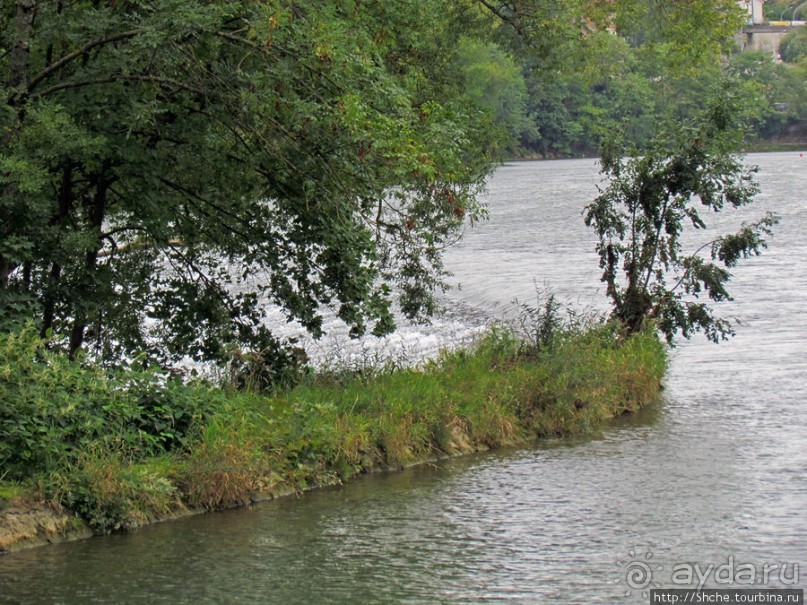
column 167, row 163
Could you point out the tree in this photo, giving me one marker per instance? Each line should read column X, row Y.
column 641, row 215
column 595, row 66
column 169, row 164
column 494, row 81
column 691, row 32
column 771, row 91
column 793, row 47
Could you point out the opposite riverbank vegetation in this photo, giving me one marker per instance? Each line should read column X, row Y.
column 93, row 451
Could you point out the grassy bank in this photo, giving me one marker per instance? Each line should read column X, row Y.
column 120, row 449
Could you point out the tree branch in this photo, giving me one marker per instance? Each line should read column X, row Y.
column 77, row 53
column 111, row 79
column 696, row 253
column 498, row 12
column 192, row 196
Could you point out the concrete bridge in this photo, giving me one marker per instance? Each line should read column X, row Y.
column 766, row 37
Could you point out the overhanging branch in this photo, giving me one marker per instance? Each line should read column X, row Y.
column 53, row 67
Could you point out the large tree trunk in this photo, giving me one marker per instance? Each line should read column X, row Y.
column 65, row 205
column 20, row 51
column 95, row 214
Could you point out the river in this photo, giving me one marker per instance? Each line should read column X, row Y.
column 714, row 475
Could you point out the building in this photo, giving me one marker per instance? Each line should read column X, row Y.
column 754, row 8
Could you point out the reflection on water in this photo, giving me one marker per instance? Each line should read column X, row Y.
column 718, row 470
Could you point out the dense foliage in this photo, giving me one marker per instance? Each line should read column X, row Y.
column 793, row 47
column 53, row 410
column 629, row 65
column 167, row 165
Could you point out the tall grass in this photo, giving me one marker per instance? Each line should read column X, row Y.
column 126, row 448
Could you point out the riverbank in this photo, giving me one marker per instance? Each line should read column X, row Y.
column 200, row 448
column 794, row 140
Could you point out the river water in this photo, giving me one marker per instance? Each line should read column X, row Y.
column 714, row 475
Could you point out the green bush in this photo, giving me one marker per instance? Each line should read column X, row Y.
column 52, row 408
column 793, row 47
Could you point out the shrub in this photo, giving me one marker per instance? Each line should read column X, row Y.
column 52, row 408
column 793, row 47
column 549, row 321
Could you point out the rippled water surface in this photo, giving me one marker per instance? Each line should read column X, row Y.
column 716, row 474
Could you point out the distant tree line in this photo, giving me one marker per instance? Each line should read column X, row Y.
column 649, row 63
